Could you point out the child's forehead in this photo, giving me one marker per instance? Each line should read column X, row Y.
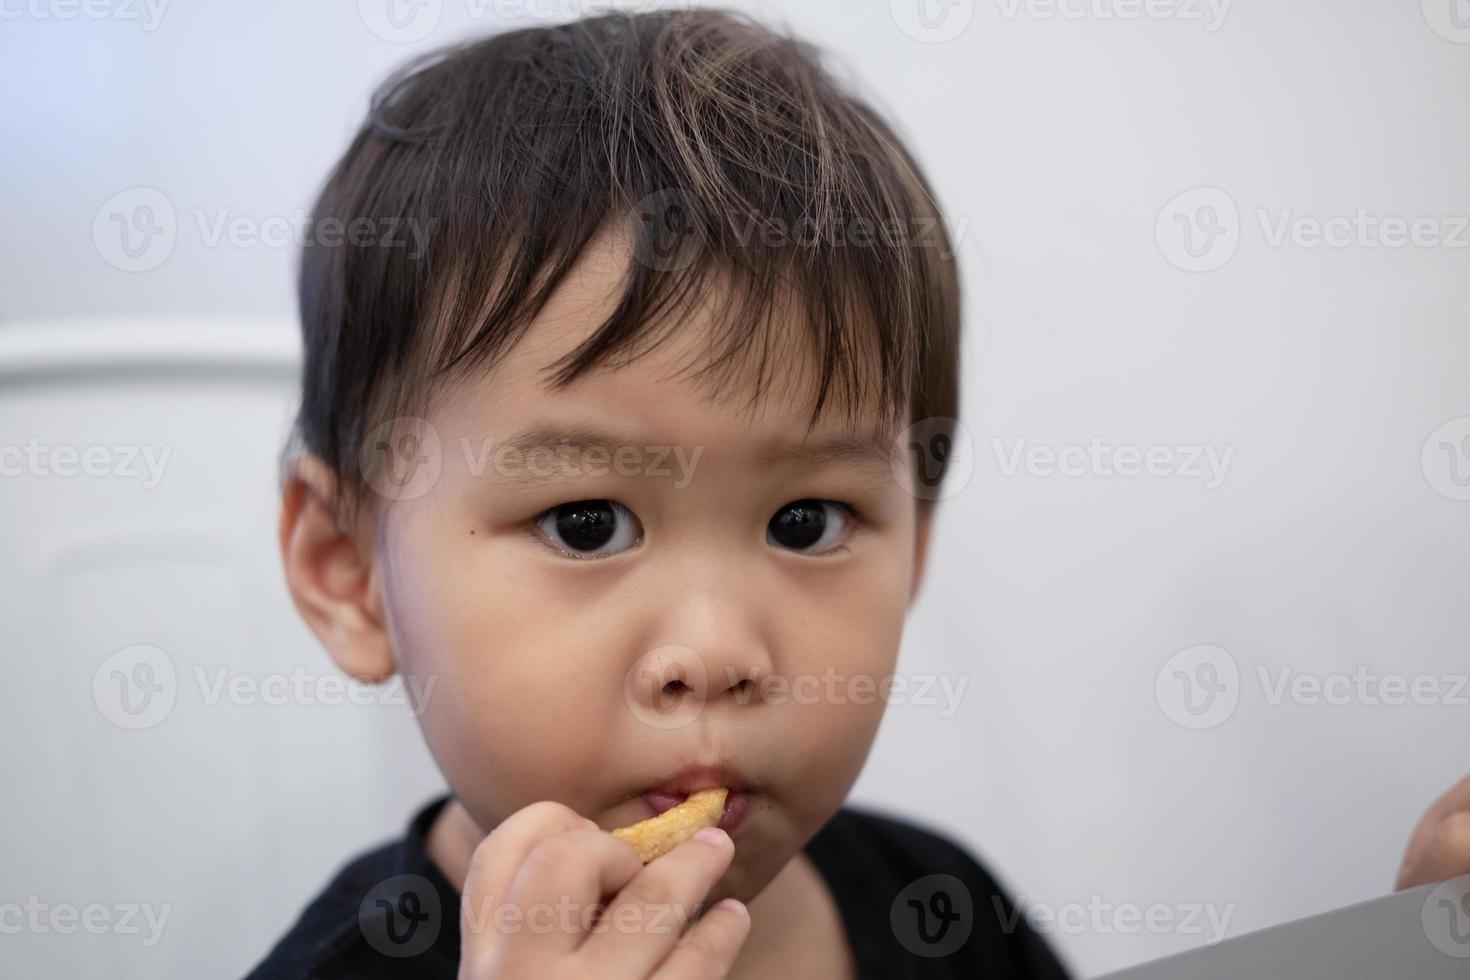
column 664, row 387
column 654, row 398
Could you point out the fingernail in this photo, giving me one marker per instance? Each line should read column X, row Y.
column 736, row 906
column 713, row 835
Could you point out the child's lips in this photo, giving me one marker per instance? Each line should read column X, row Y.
column 736, row 805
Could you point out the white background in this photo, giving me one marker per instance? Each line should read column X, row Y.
column 1334, row 542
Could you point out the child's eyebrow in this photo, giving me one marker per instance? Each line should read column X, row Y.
column 857, row 448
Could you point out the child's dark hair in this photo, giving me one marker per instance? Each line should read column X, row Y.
column 726, row 148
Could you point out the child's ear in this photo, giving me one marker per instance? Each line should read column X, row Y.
column 922, row 523
column 332, row 575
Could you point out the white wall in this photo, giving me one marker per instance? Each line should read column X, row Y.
column 1335, row 540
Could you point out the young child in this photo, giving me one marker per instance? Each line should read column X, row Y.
column 628, row 440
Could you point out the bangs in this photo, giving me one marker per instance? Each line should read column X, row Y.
column 772, row 321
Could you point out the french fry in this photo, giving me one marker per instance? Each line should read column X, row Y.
column 660, row 834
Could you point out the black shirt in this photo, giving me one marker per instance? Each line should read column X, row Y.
column 913, row 904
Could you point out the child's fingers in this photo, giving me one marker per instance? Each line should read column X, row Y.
column 1457, row 798
column 711, row 946
column 1440, row 850
column 493, row 867
column 1438, row 843
column 644, row 921
column 559, row 889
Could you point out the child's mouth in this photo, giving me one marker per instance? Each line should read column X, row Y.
column 735, row 806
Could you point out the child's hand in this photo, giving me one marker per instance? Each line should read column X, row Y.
column 1440, row 847
column 533, row 889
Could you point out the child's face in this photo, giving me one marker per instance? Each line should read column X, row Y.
column 549, row 669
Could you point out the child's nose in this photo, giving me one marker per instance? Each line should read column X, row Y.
column 673, row 684
column 709, row 641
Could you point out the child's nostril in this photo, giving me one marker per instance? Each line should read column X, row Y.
column 674, row 687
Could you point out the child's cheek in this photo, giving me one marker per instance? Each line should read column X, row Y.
column 513, row 729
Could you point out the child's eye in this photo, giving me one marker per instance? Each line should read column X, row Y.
column 811, row 527
column 590, row 528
